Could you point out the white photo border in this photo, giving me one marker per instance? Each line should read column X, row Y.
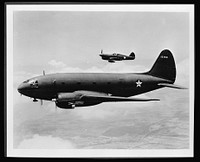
column 11, row 152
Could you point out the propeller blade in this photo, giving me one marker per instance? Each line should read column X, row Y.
column 55, row 107
column 41, row 102
column 54, row 100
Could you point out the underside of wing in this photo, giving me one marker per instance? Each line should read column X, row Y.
column 107, row 98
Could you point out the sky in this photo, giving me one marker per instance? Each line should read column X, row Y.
column 76, row 38
column 71, row 42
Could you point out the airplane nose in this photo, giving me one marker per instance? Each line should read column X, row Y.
column 20, row 88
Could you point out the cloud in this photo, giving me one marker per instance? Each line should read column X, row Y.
column 45, row 142
column 121, row 67
column 109, row 110
column 56, row 64
column 183, row 67
column 98, row 112
column 118, row 67
column 183, row 76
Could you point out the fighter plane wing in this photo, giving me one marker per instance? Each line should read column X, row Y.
column 106, row 98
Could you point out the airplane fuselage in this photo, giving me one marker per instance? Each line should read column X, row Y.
column 116, row 57
column 68, row 90
column 48, row 86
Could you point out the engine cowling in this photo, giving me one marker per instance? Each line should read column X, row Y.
column 65, row 105
column 67, row 100
column 63, row 97
column 72, row 100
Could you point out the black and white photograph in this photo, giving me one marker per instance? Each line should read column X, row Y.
column 100, row 80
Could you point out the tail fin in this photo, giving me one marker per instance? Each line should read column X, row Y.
column 164, row 67
column 132, row 54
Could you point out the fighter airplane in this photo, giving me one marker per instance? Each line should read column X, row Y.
column 116, row 57
column 70, row 90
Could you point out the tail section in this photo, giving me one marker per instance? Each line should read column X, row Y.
column 164, row 67
column 132, row 54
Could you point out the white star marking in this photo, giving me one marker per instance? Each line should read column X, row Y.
column 139, row 83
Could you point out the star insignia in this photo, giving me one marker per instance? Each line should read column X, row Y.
column 138, row 83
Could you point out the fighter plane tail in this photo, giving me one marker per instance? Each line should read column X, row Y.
column 164, row 67
column 132, row 54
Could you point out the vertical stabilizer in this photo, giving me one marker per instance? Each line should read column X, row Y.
column 164, row 67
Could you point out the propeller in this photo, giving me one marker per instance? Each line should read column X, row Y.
column 54, row 100
column 56, row 107
column 41, row 102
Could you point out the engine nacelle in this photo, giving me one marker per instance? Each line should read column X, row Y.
column 67, row 100
column 66, row 97
column 72, row 100
column 65, row 105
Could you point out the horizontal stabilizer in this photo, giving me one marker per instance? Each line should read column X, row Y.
column 171, row 85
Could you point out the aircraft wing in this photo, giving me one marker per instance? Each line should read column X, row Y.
column 106, row 98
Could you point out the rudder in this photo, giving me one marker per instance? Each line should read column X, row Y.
column 132, row 54
column 164, row 67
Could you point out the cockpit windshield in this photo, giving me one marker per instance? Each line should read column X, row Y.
column 33, row 83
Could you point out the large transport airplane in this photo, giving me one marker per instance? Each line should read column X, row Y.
column 116, row 57
column 70, row 90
